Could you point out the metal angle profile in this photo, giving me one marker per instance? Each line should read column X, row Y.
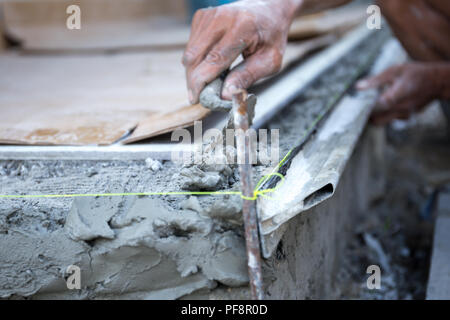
column 315, row 171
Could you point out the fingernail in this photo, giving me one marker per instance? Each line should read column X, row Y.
column 190, row 96
column 232, row 89
column 228, row 91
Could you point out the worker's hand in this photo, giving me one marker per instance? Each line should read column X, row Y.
column 256, row 29
column 405, row 89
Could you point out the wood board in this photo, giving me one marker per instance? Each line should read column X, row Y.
column 331, row 21
column 109, row 25
column 40, row 25
column 81, row 100
column 97, row 99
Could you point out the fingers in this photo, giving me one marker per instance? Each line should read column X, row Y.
column 402, row 110
column 390, row 105
column 380, row 80
column 257, row 66
column 381, row 119
column 193, row 56
column 217, row 60
column 202, row 39
column 220, row 35
column 392, row 96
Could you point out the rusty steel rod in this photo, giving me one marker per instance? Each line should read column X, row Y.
column 243, row 144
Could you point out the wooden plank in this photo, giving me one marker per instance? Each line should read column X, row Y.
column 332, row 21
column 439, row 279
column 108, row 24
column 82, row 100
column 105, row 24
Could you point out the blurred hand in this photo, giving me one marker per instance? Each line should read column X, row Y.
column 405, row 89
column 256, row 29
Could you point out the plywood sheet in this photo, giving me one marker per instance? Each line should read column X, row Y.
column 331, row 21
column 79, row 100
column 97, row 99
column 105, row 24
column 108, row 24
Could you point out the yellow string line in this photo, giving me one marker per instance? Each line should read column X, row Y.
column 256, row 193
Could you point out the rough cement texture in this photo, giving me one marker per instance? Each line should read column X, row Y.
column 210, row 97
column 307, row 260
column 159, row 247
column 126, row 247
column 309, row 256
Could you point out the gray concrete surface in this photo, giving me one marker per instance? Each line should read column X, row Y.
column 439, row 280
column 307, row 261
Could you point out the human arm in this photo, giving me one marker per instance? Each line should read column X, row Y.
column 408, row 88
column 257, row 29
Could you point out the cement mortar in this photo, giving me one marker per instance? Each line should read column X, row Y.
column 134, row 247
column 126, row 246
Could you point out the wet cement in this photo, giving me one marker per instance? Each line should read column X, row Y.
column 140, row 247
column 162, row 247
